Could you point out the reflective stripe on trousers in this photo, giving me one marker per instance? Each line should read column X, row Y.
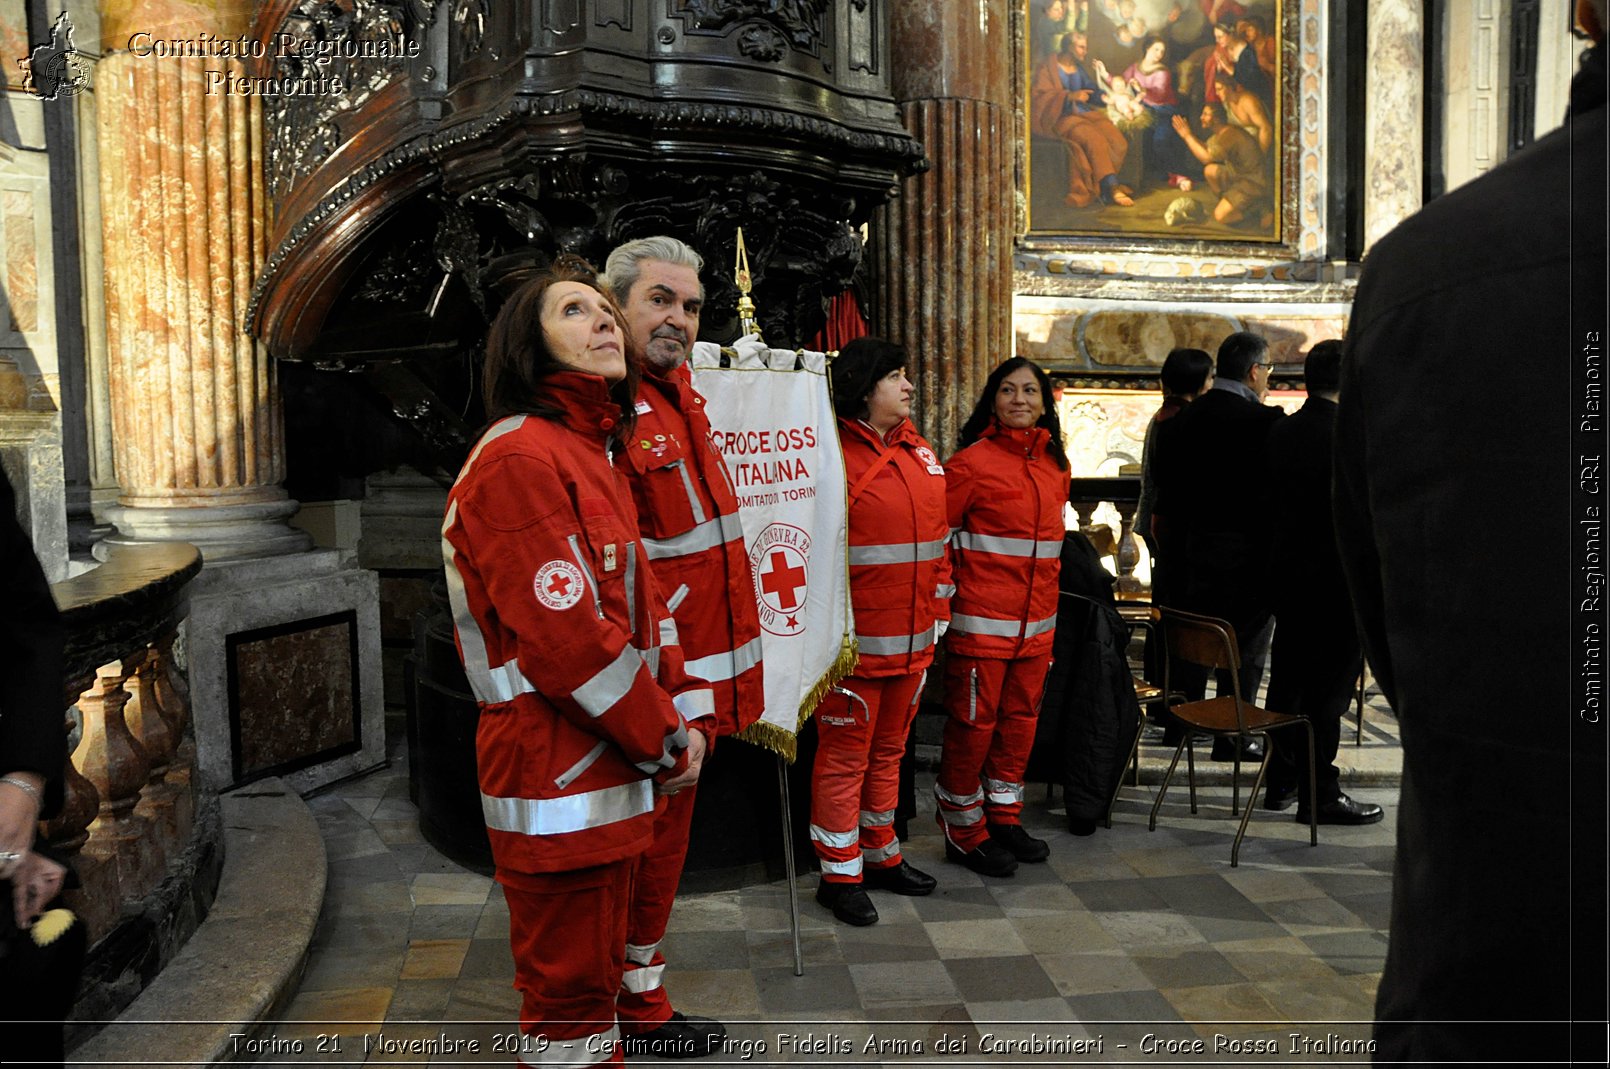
column 1001, row 792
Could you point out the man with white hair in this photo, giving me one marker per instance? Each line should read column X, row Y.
column 688, row 515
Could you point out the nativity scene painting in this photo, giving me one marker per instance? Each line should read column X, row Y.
column 1154, row 118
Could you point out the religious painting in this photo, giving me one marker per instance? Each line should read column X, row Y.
column 1154, row 118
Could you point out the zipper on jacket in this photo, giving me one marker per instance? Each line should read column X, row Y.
column 592, row 584
column 568, row 777
column 1034, row 555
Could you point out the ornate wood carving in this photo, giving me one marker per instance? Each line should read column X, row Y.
column 447, row 185
column 771, row 23
column 302, row 127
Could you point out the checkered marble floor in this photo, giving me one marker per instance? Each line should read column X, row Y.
column 1121, row 936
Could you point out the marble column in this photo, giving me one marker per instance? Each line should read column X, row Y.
column 1393, row 115
column 197, row 425
column 942, row 250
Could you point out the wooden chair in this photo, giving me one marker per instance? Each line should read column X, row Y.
column 1211, row 644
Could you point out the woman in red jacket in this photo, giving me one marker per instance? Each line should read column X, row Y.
column 899, row 591
column 1006, row 489
column 584, row 711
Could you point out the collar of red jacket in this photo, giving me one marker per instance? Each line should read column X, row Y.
column 679, row 376
column 1030, row 440
column 902, row 432
column 584, row 402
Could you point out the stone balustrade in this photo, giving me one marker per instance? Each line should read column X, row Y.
column 1086, row 496
column 141, row 834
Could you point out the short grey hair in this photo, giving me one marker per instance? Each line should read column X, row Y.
column 625, row 264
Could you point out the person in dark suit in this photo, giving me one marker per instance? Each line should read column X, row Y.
column 1212, row 487
column 36, row 990
column 1316, row 658
column 1463, row 432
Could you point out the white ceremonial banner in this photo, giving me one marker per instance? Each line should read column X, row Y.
column 775, row 427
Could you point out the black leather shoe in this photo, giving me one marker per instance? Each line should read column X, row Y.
column 1224, row 748
column 680, row 1037
column 1345, row 811
column 902, row 879
column 988, row 858
column 848, row 901
column 1023, row 846
column 1279, row 799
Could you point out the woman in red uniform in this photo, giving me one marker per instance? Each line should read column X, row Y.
column 1005, row 492
column 899, row 589
column 584, row 711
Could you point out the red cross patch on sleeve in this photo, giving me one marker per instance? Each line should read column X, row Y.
column 558, row 585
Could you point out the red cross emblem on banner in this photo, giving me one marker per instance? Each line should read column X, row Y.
column 782, row 580
column 780, row 559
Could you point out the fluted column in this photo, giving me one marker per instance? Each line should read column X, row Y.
column 1393, row 115
column 196, row 414
column 942, row 250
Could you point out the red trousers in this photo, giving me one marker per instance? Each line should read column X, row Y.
column 855, row 784
column 992, row 707
column 643, row 1004
column 568, row 933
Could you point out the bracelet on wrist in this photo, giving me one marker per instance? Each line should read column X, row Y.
column 23, row 785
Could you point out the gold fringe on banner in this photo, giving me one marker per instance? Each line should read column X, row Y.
column 784, row 742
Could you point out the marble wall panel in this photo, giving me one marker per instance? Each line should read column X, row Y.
column 232, row 598
column 1105, row 430
column 293, row 689
column 1098, row 338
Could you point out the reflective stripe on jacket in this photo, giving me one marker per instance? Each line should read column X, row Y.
column 688, row 514
column 558, row 623
column 899, row 573
column 1005, row 496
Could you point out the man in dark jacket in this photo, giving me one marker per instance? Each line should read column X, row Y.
column 1315, row 660
column 1212, row 486
column 1457, row 454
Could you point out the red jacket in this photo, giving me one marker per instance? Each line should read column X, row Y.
column 559, row 625
column 1005, row 496
column 688, row 513
column 899, row 576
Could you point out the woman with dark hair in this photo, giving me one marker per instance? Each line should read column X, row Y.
column 1185, row 374
column 1006, row 489
column 900, row 592
column 586, row 716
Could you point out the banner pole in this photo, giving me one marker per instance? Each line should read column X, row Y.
column 788, row 861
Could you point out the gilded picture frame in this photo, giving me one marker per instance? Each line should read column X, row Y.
column 1156, row 119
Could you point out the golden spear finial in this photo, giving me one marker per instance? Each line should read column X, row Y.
column 740, row 275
